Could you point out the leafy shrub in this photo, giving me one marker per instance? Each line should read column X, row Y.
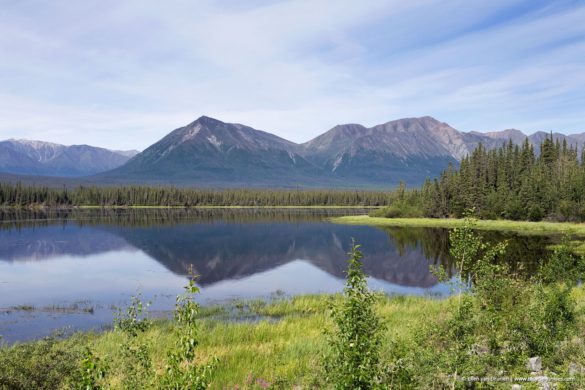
column 132, row 322
column 499, row 318
column 562, row 266
column 399, row 209
column 45, row 364
column 182, row 370
column 553, row 310
column 134, row 319
column 354, row 362
column 535, row 213
column 93, row 372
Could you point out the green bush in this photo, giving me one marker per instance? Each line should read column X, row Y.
column 182, row 370
column 133, row 322
column 92, row 372
column 354, row 361
column 44, row 364
column 498, row 319
column 400, row 209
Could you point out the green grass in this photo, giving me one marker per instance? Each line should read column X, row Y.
column 283, row 349
column 521, row 227
column 577, row 247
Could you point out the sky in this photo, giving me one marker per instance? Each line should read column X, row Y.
column 123, row 74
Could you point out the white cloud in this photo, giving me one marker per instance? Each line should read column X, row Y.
column 123, row 74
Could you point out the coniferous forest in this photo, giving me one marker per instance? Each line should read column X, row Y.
column 18, row 195
column 513, row 182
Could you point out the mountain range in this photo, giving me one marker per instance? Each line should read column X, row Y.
column 49, row 159
column 209, row 152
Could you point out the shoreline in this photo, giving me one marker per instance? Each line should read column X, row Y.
column 520, row 227
column 253, row 335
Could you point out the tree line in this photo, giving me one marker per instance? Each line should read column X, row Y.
column 510, row 182
column 22, row 196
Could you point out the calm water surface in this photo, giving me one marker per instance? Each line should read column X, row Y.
column 67, row 270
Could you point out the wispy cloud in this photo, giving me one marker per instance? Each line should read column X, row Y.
column 123, row 74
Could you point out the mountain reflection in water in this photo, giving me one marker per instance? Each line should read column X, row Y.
column 104, row 256
column 225, row 244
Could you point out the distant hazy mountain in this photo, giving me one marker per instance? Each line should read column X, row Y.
column 510, row 134
column 49, row 159
column 535, row 139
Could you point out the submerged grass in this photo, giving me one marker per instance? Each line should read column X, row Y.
column 520, row 227
column 74, row 308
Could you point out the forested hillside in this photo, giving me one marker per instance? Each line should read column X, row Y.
column 511, row 182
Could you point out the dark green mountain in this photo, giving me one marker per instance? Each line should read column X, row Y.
column 211, row 152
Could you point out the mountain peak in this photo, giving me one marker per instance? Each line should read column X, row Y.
column 411, row 124
column 427, row 119
column 200, row 129
column 515, row 135
column 212, row 143
column 33, row 143
column 402, row 138
column 204, row 119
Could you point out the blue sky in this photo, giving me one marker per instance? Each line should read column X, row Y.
column 122, row 74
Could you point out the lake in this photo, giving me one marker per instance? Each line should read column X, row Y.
column 67, row 270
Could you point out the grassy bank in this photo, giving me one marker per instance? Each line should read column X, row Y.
column 280, row 345
column 284, row 348
column 521, row 227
